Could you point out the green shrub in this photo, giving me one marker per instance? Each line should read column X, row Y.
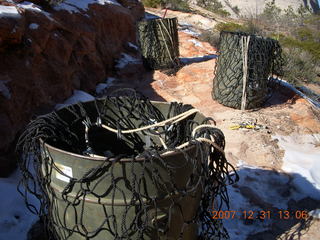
column 236, row 10
column 299, row 66
column 249, row 27
column 214, row 6
column 229, row 27
column 310, row 45
column 212, row 37
column 271, row 13
column 178, row 5
column 152, row 3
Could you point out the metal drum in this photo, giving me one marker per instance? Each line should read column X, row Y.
column 111, row 208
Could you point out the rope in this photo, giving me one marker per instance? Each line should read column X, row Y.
column 174, row 119
column 245, row 47
column 164, row 39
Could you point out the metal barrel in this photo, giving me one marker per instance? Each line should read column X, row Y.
column 75, row 217
column 159, row 42
column 254, row 61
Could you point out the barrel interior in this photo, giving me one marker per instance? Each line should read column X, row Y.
column 106, row 143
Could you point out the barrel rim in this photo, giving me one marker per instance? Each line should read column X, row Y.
column 102, row 158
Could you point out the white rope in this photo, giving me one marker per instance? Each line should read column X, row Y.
column 164, row 39
column 200, row 140
column 245, row 46
column 172, row 120
column 201, row 126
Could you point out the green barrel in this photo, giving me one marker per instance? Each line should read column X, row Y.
column 110, row 209
column 159, row 42
column 263, row 59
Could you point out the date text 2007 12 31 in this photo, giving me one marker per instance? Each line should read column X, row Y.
column 262, row 215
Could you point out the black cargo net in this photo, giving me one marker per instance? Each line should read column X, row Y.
column 159, row 43
column 138, row 171
column 243, row 69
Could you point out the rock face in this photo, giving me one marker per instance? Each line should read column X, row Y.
column 45, row 55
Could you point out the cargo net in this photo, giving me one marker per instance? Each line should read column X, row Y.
column 159, row 43
column 156, row 174
column 243, row 69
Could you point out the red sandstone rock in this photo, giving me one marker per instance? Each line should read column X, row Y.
column 44, row 57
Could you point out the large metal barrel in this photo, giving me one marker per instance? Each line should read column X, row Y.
column 159, row 42
column 243, row 69
column 104, row 217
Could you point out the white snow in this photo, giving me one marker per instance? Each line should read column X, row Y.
column 8, row 11
column 190, row 32
column 302, row 160
column 260, row 187
column 196, row 42
column 34, row 26
column 77, row 5
column 4, row 90
column 315, row 213
column 126, row 59
column 68, row 7
column 33, row 7
column 301, row 94
column 102, row 86
column 133, row 45
column 15, row 218
column 78, row 96
column 257, row 189
column 301, row 166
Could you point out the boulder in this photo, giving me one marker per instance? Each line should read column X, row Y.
column 46, row 54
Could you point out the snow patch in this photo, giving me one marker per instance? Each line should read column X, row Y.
column 33, row 7
column 34, row 26
column 196, row 42
column 190, row 32
column 127, row 59
column 302, row 160
column 102, row 86
column 315, row 213
column 78, row 96
column 291, row 87
column 75, row 6
column 254, row 183
column 8, row 11
column 133, row 46
column 15, row 218
column 4, row 90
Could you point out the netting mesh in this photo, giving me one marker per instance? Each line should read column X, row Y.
column 157, row 183
column 243, row 69
column 159, row 42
